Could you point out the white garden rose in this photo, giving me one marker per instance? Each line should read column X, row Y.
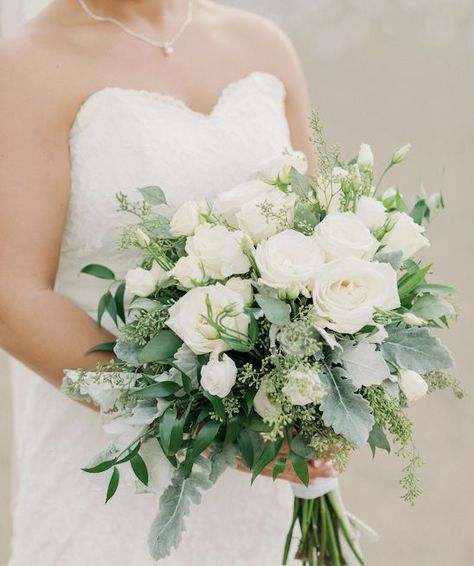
column 188, row 317
column 371, row 211
column 414, row 387
column 189, row 272
column 278, row 168
column 267, row 214
column 229, row 203
column 344, row 234
column 288, row 261
column 188, row 217
column 346, row 292
column 304, row 387
column 366, row 157
column 142, row 282
column 219, row 376
column 221, row 251
column 243, row 287
column 262, row 403
column 328, row 190
column 405, row 235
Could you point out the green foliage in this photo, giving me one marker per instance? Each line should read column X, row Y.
column 161, row 347
column 275, row 310
column 153, row 195
column 99, row 271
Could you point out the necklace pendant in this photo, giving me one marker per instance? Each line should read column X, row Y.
column 168, row 49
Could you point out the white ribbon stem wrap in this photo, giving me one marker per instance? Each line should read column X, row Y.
column 315, row 490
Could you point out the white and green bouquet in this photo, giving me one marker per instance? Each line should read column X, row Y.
column 282, row 322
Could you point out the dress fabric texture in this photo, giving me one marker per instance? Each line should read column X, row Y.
column 123, row 139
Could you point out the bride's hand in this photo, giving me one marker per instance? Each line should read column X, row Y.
column 324, row 468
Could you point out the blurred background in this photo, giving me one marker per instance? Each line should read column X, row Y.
column 389, row 72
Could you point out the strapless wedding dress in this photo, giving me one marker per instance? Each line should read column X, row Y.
column 123, row 139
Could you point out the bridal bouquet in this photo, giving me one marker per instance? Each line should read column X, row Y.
column 284, row 321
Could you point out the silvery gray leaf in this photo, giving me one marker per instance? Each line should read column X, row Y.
column 365, row 365
column 186, row 361
column 393, row 258
column 128, row 353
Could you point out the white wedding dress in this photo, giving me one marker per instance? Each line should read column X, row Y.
column 123, row 139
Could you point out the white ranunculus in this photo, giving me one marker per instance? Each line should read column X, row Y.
column 229, row 203
column 189, row 272
column 278, row 168
column 346, row 292
column 288, row 261
column 188, row 317
column 366, row 157
column 243, row 287
column 414, row 387
column 221, row 251
column 405, row 235
column 371, row 211
column 304, row 387
column 267, row 214
column 262, row 403
column 328, row 190
column 344, row 234
column 219, row 376
column 188, row 217
column 142, row 282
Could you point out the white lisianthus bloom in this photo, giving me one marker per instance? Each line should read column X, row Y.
column 188, row 217
column 304, row 387
column 371, row 211
column 400, row 154
column 414, row 387
column 366, row 157
column 267, row 214
column 189, row 272
column 188, row 317
column 328, row 190
column 278, row 168
column 405, row 235
column 219, row 376
column 221, row 251
column 347, row 291
column 262, row 403
column 229, row 203
column 344, row 234
column 243, row 287
column 288, row 261
column 142, row 282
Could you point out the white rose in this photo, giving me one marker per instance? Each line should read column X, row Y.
column 346, row 292
column 344, row 234
column 188, row 317
column 329, row 189
column 366, row 157
column 189, row 272
column 406, row 235
column 219, row 250
column 304, row 387
column 267, row 214
column 279, row 167
column 188, row 217
column 229, row 203
column 243, row 287
column 414, row 387
column 288, row 261
column 371, row 211
column 143, row 282
column 219, row 376
column 263, row 405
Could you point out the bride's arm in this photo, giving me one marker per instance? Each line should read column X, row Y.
column 41, row 328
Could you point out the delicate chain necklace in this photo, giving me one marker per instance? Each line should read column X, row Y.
column 166, row 46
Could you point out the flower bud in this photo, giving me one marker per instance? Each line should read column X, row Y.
column 366, row 157
column 411, row 319
column 414, row 387
column 143, row 282
column 142, row 239
column 400, row 154
column 219, row 376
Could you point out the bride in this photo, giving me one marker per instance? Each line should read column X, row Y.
column 96, row 97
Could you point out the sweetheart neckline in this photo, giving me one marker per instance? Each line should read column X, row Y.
column 175, row 101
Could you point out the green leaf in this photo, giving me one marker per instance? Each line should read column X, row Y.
column 232, row 430
column 432, row 307
column 104, row 347
column 205, row 436
column 171, row 431
column 411, row 280
column 248, row 399
column 436, row 288
column 305, row 219
column 111, row 307
column 119, row 301
column 377, row 439
column 346, row 411
column 113, row 484
column 217, row 405
column 267, row 455
column 246, row 447
column 300, row 465
column 130, row 454
column 300, row 447
column 158, row 390
column 299, row 184
column 102, row 467
column 278, row 468
column 101, row 308
column 275, row 310
column 160, row 348
column 257, row 424
column 128, row 352
column 153, row 195
column 415, row 349
column 139, row 468
column 99, row 271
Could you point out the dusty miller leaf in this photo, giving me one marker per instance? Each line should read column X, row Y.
column 364, row 364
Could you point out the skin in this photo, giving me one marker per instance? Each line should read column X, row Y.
column 48, row 69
